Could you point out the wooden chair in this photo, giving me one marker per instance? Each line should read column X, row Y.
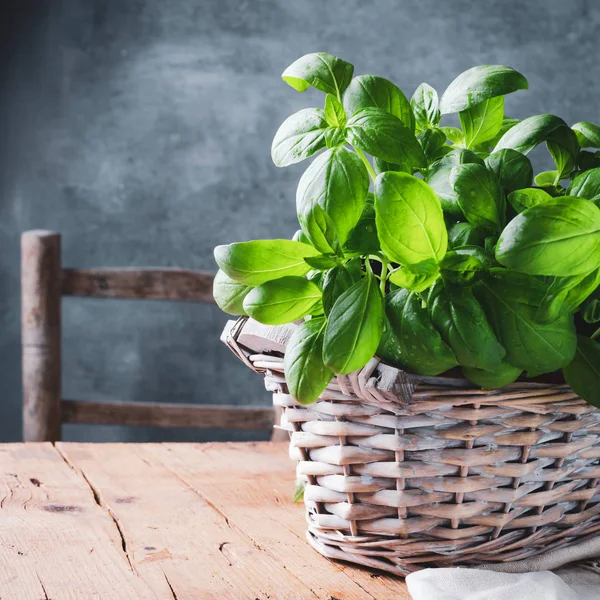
column 43, row 283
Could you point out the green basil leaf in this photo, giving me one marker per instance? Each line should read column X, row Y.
column 479, row 196
column 300, row 237
column 512, row 169
column 459, row 318
column 336, row 182
column 507, row 123
column 321, row 70
column 305, row 372
column 229, row 294
column 546, row 179
column 300, row 136
column 465, row 234
column 334, row 112
column 564, row 295
column 479, row 84
column 322, row 262
column 588, row 134
column 493, row 380
column 363, row 238
column 409, row 218
column 559, row 237
column 425, row 106
column 529, row 133
column 511, row 301
column 413, row 343
column 482, row 122
column 381, row 166
column 370, row 91
column 354, row 327
column 586, row 185
column 461, row 267
column 563, row 147
column 459, row 156
column 335, row 283
column 588, row 160
column 299, row 491
column 416, row 278
column 454, row 134
column 483, row 255
column 591, row 310
column 282, row 300
column 523, row 199
column 583, row 373
column 383, row 135
column 258, row 261
column 432, row 141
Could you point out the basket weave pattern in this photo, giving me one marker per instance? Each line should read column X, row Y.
column 405, row 473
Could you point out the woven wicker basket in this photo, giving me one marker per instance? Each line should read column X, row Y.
column 406, row 472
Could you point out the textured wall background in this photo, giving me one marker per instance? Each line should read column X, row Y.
column 141, row 131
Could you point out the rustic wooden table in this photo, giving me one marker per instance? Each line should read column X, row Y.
column 167, row 521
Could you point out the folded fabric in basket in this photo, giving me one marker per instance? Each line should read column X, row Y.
column 475, row 584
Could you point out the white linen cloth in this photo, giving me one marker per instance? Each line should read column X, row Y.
column 529, row 579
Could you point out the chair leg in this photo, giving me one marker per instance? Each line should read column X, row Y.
column 41, row 335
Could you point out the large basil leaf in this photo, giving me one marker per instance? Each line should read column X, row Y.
column 529, row 133
column 363, row 238
column 354, row 327
column 425, row 106
column 559, row 237
column 305, row 373
column 526, row 198
column 300, row 136
column 337, row 182
column 586, row 185
column 563, row 147
column 511, row 301
column 321, row 70
column 493, row 380
column 258, row 261
column 229, row 294
column 564, row 294
column 588, row 134
column 482, row 122
column 583, row 373
column 383, row 135
column 512, row 169
column 479, row 84
column 463, row 325
column 479, row 196
column 282, row 300
column 416, row 278
column 465, row 234
column 419, row 347
column 370, row 91
column 409, row 218
column 334, row 112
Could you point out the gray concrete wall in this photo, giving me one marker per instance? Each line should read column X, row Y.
column 141, row 130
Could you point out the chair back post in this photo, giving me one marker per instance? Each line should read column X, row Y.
column 41, row 335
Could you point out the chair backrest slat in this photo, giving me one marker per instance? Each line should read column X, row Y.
column 157, row 414
column 138, row 284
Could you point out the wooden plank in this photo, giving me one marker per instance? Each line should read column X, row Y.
column 168, row 415
column 136, row 283
column 252, row 484
column 40, row 332
column 55, row 540
column 172, row 532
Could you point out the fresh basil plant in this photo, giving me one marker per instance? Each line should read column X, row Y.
column 427, row 245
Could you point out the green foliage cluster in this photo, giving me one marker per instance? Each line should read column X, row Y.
column 429, row 246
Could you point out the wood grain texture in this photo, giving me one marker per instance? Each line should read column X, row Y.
column 168, row 521
column 40, row 327
column 136, row 283
column 155, row 414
